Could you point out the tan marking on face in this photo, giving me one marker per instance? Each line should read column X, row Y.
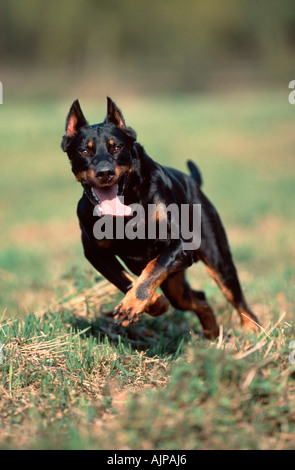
column 111, row 141
column 120, row 171
column 81, row 176
column 90, row 144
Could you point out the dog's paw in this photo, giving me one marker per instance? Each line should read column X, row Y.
column 251, row 327
column 158, row 305
column 129, row 310
column 250, row 323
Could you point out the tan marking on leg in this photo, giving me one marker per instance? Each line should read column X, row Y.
column 184, row 298
column 248, row 319
column 132, row 307
column 158, row 305
column 226, row 292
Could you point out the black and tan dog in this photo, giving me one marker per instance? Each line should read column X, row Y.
column 109, row 163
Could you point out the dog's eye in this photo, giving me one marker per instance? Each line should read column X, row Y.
column 84, row 152
column 117, row 148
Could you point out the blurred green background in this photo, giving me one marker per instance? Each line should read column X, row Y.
column 163, row 46
column 201, row 80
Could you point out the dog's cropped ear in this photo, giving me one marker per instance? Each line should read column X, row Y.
column 115, row 116
column 75, row 120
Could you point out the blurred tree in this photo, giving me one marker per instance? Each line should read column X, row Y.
column 180, row 38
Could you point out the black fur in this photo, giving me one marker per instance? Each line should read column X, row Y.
column 157, row 262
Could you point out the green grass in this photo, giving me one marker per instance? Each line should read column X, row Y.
column 70, row 378
column 70, row 388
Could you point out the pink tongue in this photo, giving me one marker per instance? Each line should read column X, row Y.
column 110, row 203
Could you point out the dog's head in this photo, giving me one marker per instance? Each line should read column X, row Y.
column 100, row 155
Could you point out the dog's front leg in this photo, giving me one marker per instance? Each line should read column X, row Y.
column 108, row 265
column 142, row 296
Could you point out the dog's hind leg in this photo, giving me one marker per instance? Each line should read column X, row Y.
column 215, row 253
column 182, row 297
column 227, row 279
column 221, row 268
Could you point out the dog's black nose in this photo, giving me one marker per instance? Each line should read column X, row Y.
column 105, row 174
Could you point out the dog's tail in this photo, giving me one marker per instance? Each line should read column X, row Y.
column 195, row 172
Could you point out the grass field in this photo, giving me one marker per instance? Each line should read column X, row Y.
column 72, row 379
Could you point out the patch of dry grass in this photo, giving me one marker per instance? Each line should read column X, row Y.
column 71, row 372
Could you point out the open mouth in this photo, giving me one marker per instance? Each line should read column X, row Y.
column 109, row 200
